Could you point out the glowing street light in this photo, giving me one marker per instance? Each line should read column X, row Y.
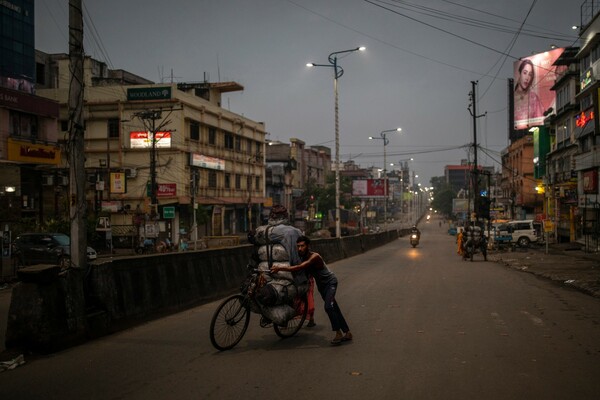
column 337, row 73
column 383, row 136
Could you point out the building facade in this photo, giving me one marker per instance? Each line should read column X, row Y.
column 561, row 178
column 586, row 217
column 293, row 172
column 28, row 123
column 163, row 159
column 517, row 182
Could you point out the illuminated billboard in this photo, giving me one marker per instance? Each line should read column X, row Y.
column 369, row 188
column 143, row 140
column 202, row 161
column 533, row 77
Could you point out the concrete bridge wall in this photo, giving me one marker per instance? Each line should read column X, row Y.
column 121, row 292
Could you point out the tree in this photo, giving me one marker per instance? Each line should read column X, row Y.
column 326, row 195
column 443, row 194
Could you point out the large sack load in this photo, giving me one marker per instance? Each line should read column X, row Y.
column 276, row 292
column 274, row 252
column 264, row 266
column 260, row 236
column 280, row 315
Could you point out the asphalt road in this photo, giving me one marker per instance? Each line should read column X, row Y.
column 426, row 325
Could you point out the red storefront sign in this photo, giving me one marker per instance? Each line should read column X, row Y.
column 166, row 190
column 590, row 181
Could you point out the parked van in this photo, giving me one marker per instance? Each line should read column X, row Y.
column 523, row 232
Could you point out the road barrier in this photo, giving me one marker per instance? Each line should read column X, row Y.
column 49, row 311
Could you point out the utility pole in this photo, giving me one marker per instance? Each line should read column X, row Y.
column 149, row 118
column 475, row 172
column 194, row 232
column 75, row 146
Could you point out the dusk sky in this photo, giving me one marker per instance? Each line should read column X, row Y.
column 415, row 74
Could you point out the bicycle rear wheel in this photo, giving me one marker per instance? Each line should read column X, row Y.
column 294, row 325
column 229, row 322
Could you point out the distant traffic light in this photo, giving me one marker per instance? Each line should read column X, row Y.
column 484, row 208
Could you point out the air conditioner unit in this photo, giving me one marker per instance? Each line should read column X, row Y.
column 130, row 172
column 47, row 180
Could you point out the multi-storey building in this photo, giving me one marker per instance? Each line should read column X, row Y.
column 158, row 155
column 293, row 171
column 586, row 218
column 518, row 184
column 28, row 123
column 561, row 178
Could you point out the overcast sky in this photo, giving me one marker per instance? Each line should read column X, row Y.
column 415, row 74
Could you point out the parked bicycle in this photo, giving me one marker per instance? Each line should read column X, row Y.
column 232, row 317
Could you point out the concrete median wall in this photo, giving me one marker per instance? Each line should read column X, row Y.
column 121, row 292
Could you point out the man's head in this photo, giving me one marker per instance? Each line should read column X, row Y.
column 278, row 212
column 303, row 244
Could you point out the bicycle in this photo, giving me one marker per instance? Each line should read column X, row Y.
column 232, row 317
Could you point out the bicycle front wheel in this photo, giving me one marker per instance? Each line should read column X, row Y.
column 229, row 323
column 294, row 325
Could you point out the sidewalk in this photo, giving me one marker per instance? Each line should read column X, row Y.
column 564, row 264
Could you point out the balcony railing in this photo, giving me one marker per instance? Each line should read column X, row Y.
column 589, row 9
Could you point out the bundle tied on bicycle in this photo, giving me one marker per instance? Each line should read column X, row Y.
column 277, row 292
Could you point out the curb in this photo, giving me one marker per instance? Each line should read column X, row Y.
column 576, row 271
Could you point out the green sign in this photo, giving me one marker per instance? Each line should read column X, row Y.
column 149, row 93
column 168, row 212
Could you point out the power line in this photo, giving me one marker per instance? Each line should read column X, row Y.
column 440, row 29
column 463, row 20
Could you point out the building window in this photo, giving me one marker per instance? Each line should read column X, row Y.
column 212, row 179
column 585, row 63
column 563, row 97
column 64, row 125
column 228, row 140
column 40, row 73
column 585, row 144
column 23, row 125
column 113, row 128
column 238, row 181
column 249, row 183
column 257, row 183
column 249, row 146
column 227, row 181
column 212, row 136
column 238, row 144
column 595, row 54
column 194, row 130
column 586, row 103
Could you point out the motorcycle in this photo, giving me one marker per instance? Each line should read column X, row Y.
column 414, row 239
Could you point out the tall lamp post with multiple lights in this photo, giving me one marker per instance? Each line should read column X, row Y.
column 337, row 73
column 403, row 167
column 383, row 136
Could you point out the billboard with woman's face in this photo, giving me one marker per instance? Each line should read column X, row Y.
column 533, row 77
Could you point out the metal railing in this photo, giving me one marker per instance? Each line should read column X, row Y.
column 589, row 9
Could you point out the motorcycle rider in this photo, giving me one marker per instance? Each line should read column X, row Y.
column 416, row 230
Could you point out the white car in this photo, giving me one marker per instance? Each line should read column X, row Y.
column 523, row 232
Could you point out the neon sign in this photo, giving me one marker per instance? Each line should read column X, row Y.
column 582, row 119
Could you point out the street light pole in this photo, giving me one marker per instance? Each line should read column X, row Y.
column 383, row 137
column 403, row 167
column 337, row 73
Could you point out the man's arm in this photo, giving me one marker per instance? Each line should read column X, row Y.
column 313, row 260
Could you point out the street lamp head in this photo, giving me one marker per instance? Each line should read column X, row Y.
column 362, row 48
column 310, row 65
column 371, row 138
